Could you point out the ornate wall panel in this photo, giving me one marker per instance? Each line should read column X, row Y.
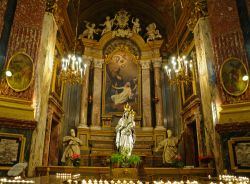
column 25, row 35
column 226, row 46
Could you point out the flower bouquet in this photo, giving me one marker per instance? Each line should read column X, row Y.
column 75, row 159
column 178, row 161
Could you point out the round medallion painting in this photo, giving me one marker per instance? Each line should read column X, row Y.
column 234, row 76
column 20, row 67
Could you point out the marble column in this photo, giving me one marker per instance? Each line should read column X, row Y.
column 208, row 88
column 158, row 93
column 146, row 95
column 44, row 70
column 97, row 94
column 85, row 95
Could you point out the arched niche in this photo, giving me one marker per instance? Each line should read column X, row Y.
column 135, row 47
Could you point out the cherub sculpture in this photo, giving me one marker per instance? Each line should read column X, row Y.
column 108, row 25
column 89, row 31
column 152, row 32
column 136, row 25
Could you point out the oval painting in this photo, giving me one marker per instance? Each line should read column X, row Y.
column 20, row 67
column 233, row 77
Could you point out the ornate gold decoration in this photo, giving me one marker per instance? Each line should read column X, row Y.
column 200, row 10
column 127, row 107
column 52, row 7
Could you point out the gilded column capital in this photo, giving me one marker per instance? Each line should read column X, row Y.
column 157, row 62
column 87, row 59
column 145, row 64
column 98, row 63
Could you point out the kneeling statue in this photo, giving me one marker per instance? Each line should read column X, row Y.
column 72, row 149
column 170, row 145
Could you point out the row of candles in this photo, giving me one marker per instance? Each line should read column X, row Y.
column 15, row 180
column 234, row 179
column 222, row 179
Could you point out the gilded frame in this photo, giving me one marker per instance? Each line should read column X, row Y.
column 56, row 80
column 186, row 99
column 106, row 62
column 231, row 73
column 21, row 140
column 22, row 68
column 237, row 155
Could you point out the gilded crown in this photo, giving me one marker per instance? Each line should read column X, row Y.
column 127, row 107
column 132, row 112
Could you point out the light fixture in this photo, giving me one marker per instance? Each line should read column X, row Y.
column 73, row 68
column 178, row 67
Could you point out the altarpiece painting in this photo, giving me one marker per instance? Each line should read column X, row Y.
column 121, row 82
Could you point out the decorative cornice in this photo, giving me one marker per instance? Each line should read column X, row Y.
column 233, row 127
column 16, row 123
column 200, row 10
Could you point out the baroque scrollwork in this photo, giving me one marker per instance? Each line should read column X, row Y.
column 133, row 48
column 200, row 10
column 52, row 7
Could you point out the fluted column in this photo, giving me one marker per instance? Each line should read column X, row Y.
column 158, row 92
column 85, row 90
column 97, row 91
column 146, row 95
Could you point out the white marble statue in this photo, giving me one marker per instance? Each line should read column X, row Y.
column 89, row 31
column 170, row 145
column 72, row 147
column 152, row 32
column 125, row 134
column 108, row 25
column 136, row 25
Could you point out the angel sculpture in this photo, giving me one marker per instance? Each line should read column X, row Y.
column 136, row 25
column 108, row 25
column 89, row 31
column 152, row 32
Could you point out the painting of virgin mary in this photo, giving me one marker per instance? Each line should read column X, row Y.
column 121, row 82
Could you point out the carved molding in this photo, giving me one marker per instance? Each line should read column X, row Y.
column 200, row 10
column 233, row 127
column 98, row 63
column 16, row 123
column 145, row 64
column 157, row 62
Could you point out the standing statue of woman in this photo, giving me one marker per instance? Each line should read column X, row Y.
column 125, row 134
column 72, row 147
column 170, row 145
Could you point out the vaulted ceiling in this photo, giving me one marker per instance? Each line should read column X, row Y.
column 148, row 11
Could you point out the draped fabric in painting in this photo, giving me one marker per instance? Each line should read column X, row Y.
column 121, row 82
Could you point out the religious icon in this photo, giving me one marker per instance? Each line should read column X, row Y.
column 21, row 69
column 121, row 82
column 234, row 77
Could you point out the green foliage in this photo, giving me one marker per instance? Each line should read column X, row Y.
column 116, row 158
column 134, row 160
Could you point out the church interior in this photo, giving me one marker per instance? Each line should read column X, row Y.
column 124, row 91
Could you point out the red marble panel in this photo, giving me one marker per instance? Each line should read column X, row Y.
column 3, row 4
column 227, row 40
column 25, row 35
